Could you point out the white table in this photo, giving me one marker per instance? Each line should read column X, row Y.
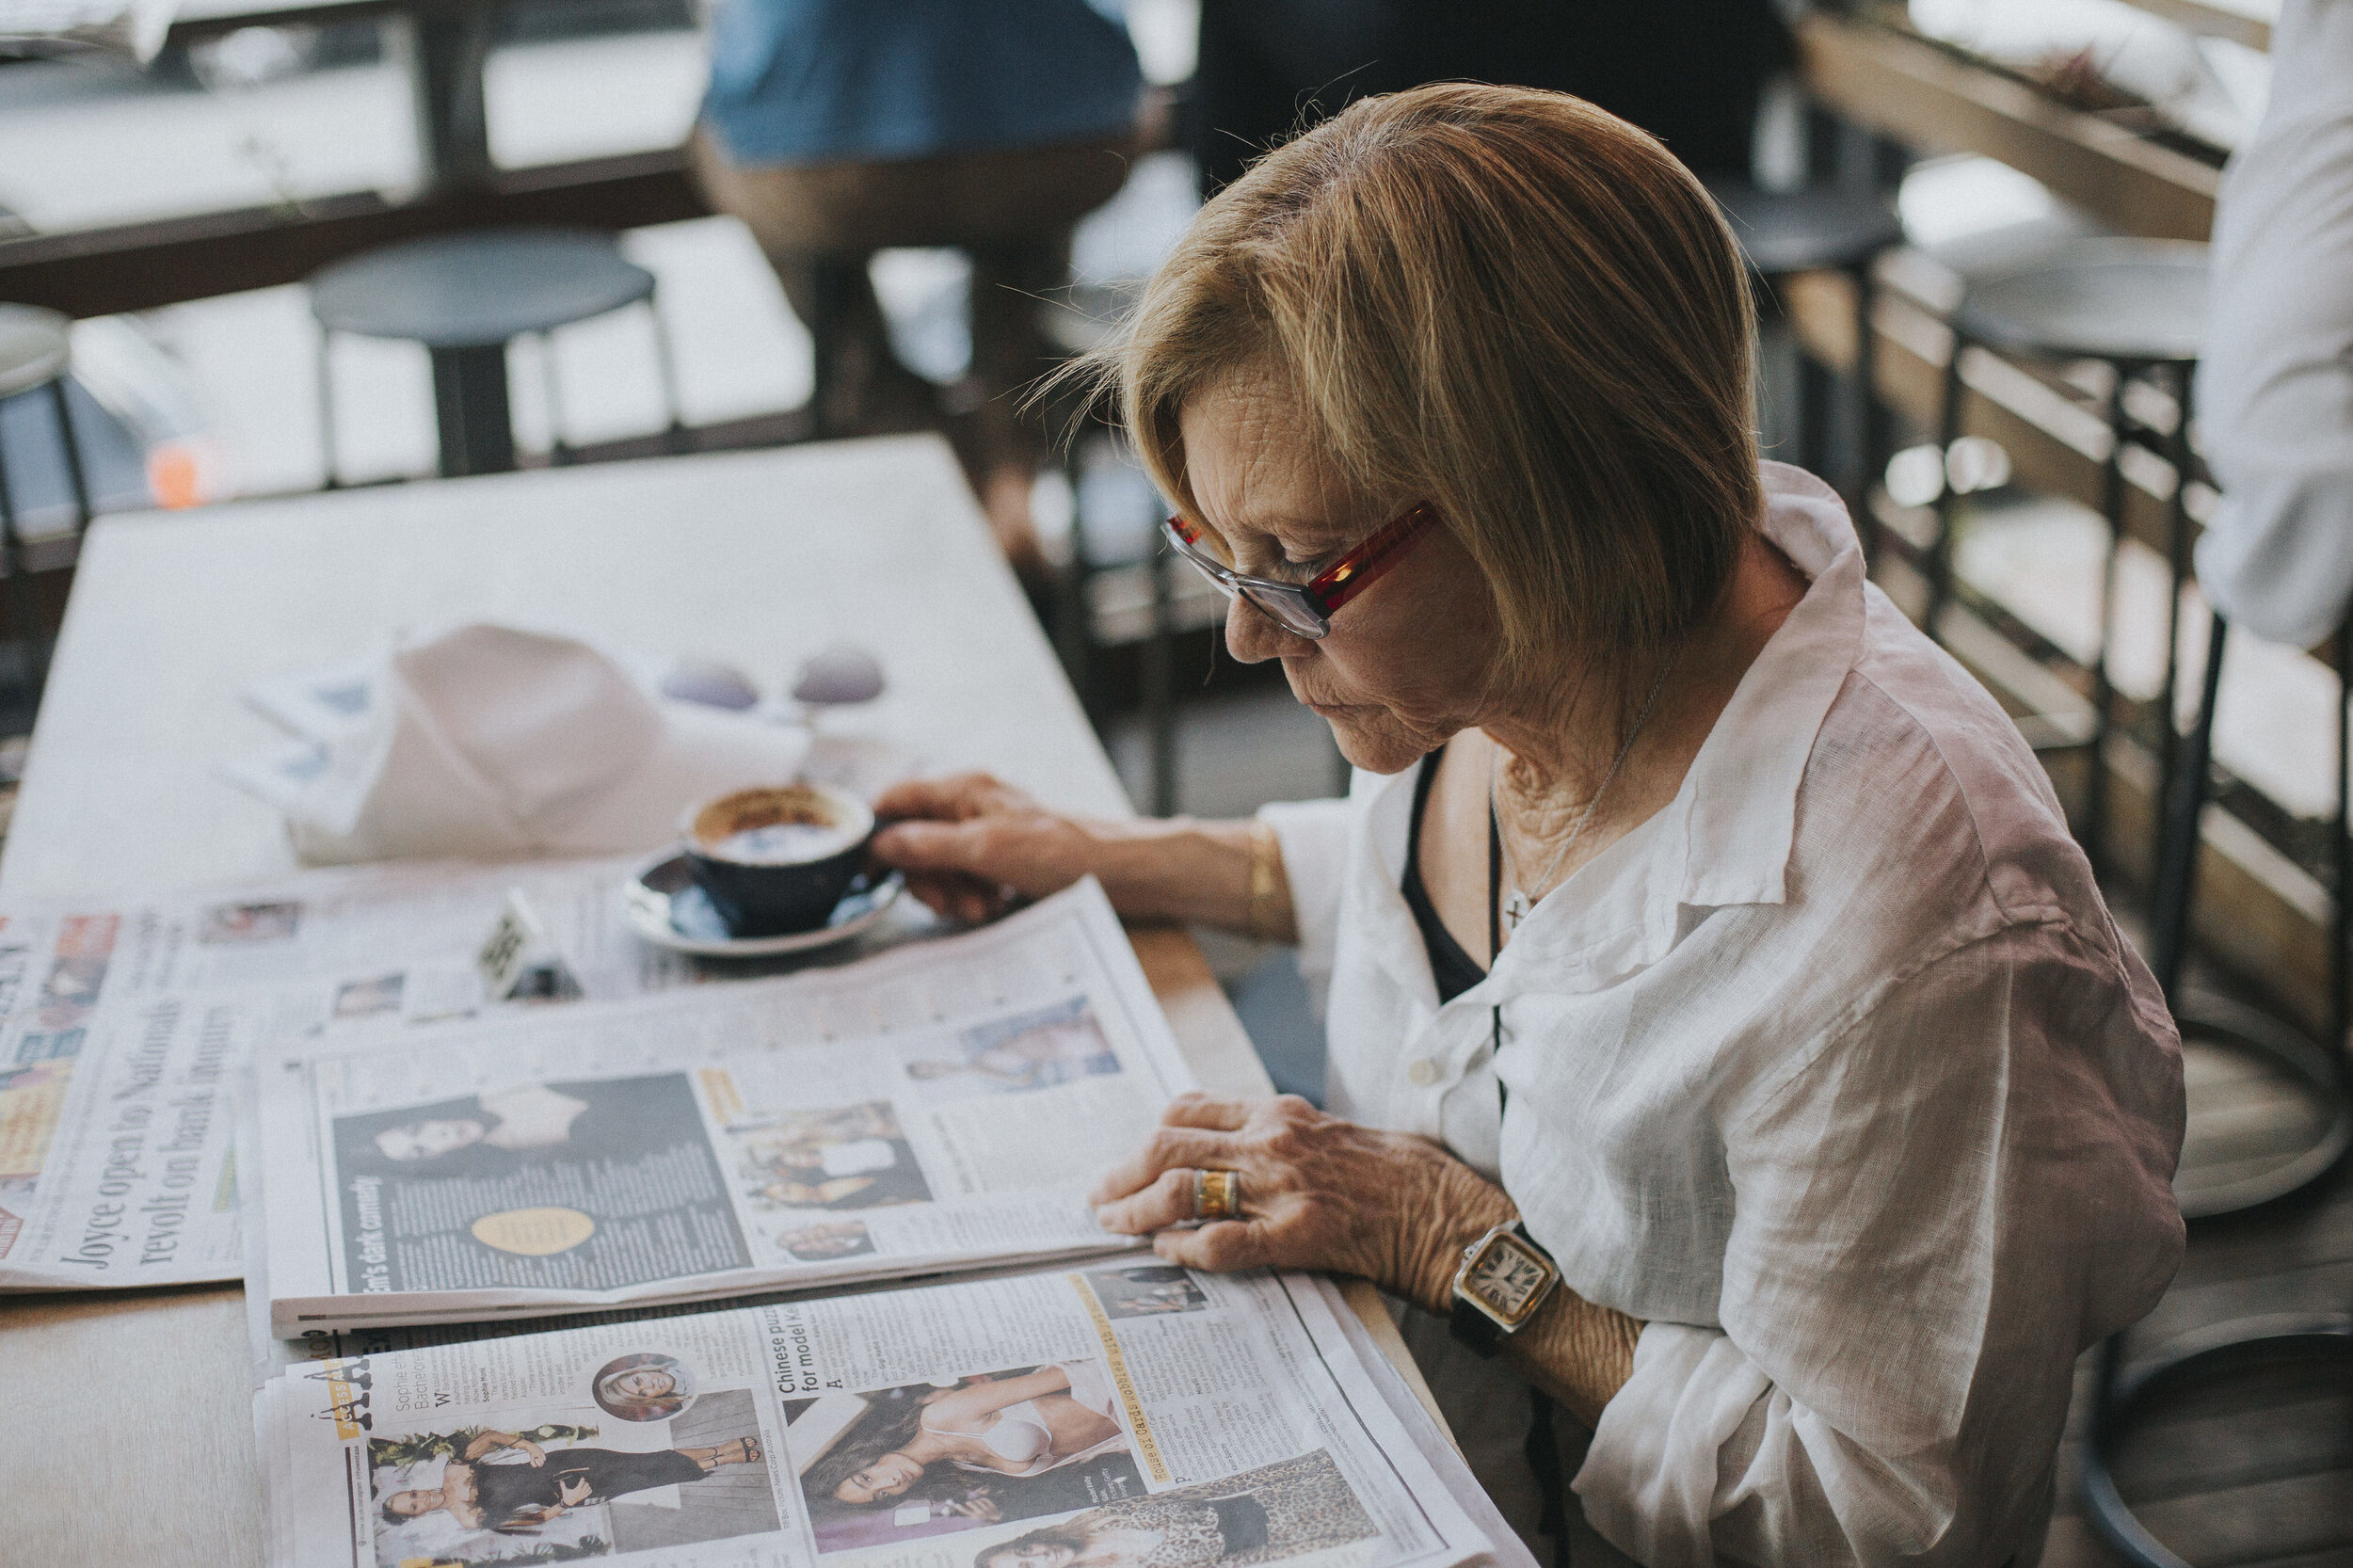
column 126, row 1439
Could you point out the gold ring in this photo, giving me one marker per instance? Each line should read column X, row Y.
column 1217, row 1194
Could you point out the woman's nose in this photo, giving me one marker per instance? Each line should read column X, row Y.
column 1252, row 636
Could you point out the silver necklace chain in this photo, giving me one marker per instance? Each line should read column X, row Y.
column 1516, row 903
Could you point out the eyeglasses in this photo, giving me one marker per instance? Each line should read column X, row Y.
column 1306, row 609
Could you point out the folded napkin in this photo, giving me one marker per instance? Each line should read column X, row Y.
column 490, row 741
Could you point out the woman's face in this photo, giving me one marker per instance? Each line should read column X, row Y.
column 646, row 1382
column 424, row 1140
column 415, row 1502
column 1405, row 663
column 1039, row 1555
column 888, row 1477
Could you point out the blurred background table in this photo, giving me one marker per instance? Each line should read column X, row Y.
column 760, row 559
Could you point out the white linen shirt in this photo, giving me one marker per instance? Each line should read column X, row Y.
column 1835, row 1072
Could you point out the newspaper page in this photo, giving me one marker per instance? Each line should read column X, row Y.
column 122, row 1026
column 938, row 1105
column 1124, row 1413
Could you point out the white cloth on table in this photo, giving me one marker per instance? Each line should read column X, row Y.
column 1836, row 1073
column 487, row 740
column 2275, row 388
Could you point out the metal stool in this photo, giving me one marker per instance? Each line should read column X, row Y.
column 36, row 351
column 2138, row 305
column 464, row 297
column 1823, row 229
column 2216, row 1353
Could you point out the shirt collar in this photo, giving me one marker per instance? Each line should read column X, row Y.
column 1732, row 823
column 1740, row 800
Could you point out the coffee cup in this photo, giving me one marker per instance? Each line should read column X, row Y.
column 777, row 859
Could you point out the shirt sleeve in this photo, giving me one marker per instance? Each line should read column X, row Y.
column 1936, row 1208
column 1314, row 835
column 2275, row 390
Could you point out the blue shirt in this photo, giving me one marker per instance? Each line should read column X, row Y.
column 821, row 81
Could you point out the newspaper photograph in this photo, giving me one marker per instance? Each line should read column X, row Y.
column 1119, row 1414
column 944, row 1105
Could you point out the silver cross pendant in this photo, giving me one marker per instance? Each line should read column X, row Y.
column 1516, row 909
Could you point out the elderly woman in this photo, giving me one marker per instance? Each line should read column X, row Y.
column 1707, row 954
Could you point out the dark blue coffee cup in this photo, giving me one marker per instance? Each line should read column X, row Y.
column 777, row 860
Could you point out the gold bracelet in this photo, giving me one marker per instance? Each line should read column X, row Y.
column 1266, row 883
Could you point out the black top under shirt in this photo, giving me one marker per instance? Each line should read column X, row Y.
column 1455, row 970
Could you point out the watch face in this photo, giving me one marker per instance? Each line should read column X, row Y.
column 1506, row 1277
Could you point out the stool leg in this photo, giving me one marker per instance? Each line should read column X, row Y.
column 2177, row 563
column 20, row 593
column 559, row 454
column 469, row 404
column 830, row 292
column 1870, row 419
column 72, row 450
column 1947, row 504
column 327, row 414
column 2184, row 807
column 665, row 364
column 2095, row 833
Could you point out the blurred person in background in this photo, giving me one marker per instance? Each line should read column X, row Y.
column 2275, row 392
column 1689, row 71
column 837, row 128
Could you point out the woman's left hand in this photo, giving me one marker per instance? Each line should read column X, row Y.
column 1317, row 1192
column 532, row 1452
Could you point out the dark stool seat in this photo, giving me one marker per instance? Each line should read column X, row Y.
column 471, row 291
column 1823, row 228
column 465, row 296
column 1807, row 231
column 35, row 352
column 2129, row 301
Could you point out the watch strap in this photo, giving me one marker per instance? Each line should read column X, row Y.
column 1474, row 1328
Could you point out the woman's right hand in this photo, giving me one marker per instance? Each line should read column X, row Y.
column 970, row 845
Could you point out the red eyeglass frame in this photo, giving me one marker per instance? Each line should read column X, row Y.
column 1306, row 609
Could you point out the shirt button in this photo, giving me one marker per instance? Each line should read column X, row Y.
column 1423, row 1072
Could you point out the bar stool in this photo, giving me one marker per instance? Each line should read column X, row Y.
column 464, row 297
column 2138, row 305
column 2120, row 1402
column 35, row 352
column 1823, row 229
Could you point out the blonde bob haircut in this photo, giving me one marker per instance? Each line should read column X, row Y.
column 1503, row 303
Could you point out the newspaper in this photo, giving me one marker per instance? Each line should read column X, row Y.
column 122, row 1026
column 935, row 1106
column 1120, row 1414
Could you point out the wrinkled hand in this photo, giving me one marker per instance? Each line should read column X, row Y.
column 1317, row 1191
column 970, row 846
column 532, row 1452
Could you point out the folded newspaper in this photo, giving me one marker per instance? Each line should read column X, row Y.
column 124, row 1025
column 937, row 1106
column 1120, row 1414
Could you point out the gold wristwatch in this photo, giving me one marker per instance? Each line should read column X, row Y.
column 1504, row 1278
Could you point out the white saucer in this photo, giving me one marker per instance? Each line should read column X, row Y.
column 663, row 905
